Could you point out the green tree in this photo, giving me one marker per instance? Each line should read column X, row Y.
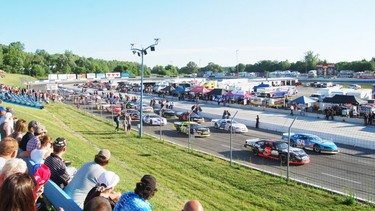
column 172, row 70
column 212, row 67
column 190, row 68
column 14, row 57
column 311, row 60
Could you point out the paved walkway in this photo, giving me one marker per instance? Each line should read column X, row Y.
column 349, row 133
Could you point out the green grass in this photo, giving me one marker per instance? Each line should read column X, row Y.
column 16, row 80
column 180, row 175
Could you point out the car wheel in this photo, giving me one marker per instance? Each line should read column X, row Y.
column 216, row 126
column 292, row 144
column 317, row 148
column 151, row 122
column 255, row 151
column 283, row 159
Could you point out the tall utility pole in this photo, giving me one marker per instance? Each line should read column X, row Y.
column 141, row 52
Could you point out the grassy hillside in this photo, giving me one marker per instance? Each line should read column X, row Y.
column 16, row 80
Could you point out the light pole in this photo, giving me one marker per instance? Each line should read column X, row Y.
column 141, row 52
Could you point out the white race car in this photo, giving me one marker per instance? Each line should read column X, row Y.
column 228, row 124
column 146, row 108
column 154, row 119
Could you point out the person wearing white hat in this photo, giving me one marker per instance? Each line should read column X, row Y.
column 104, row 189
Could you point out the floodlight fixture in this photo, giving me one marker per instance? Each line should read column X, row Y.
column 141, row 52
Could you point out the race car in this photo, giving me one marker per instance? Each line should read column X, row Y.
column 167, row 113
column 312, row 142
column 277, row 150
column 134, row 114
column 185, row 116
column 154, row 119
column 145, row 108
column 228, row 125
column 195, row 129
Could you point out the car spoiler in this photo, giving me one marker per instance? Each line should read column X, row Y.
column 251, row 140
column 285, row 135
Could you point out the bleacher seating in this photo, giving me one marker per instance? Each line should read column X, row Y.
column 54, row 194
column 20, row 99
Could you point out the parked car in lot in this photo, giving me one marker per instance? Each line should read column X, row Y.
column 312, row 142
column 193, row 127
column 186, row 116
column 154, row 119
column 354, row 86
column 228, row 125
column 277, row 150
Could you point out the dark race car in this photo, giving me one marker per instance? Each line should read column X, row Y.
column 134, row 114
column 277, row 150
column 184, row 116
column 166, row 113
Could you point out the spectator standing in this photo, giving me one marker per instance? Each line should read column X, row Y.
column 60, row 174
column 291, row 110
column 228, row 115
column 17, row 193
column 224, row 116
column 137, row 200
column 87, row 177
column 8, row 150
column 104, row 190
column 117, row 121
column 193, row 205
column 128, row 120
column 257, row 122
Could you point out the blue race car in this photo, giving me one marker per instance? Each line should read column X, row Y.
column 312, row 142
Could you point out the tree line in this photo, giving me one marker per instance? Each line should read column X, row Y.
column 14, row 59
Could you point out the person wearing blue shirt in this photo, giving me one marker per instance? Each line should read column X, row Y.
column 137, row 200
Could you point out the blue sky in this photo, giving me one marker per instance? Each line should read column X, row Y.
column 202, row 31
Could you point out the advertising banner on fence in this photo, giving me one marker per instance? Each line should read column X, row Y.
column 100, row 75
column 112, row 75
column 62, row 76
column 90, row 75
column 72, row 76
column 52, row 77
column 79, row 76
column 125, row 75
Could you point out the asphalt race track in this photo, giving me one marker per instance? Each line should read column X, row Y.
column 352, row 171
